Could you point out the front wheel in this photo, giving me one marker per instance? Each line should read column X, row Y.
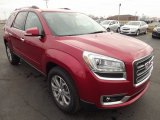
column 138, row 32
column 118, row 30
column 62, row 90
column 13, row 59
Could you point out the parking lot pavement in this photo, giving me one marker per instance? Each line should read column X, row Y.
column 24, row 95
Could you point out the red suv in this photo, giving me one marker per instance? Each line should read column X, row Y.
column 81, row 60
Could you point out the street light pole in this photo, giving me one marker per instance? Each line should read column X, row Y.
column 119, row 10
column 46, row 3
column 135, row 16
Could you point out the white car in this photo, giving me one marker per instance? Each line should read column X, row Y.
column 111, row 25
column 134, row 28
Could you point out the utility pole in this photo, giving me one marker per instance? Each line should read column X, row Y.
column 46, row 3
column 135, row 16
column 119, row 10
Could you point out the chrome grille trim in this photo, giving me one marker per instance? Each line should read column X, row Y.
column 142, row 69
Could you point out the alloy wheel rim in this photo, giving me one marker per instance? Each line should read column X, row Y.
column 138, row 32
column 9, row 54
column 60, row 90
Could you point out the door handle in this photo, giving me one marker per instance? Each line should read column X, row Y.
column 10, row 34
column 22, row 39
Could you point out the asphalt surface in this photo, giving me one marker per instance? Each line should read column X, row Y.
column 24, row 94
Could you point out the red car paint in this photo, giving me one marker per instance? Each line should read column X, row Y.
column 67, row 52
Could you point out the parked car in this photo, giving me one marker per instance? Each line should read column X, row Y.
column 156, row 32
column 111, row 25
column 82, row 62
column 134, row 28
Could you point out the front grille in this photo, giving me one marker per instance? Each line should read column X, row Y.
column 125, row 32
column 126, row 29
column 142, row 69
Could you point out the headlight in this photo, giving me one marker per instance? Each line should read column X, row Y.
column 155, row 29
column 103, row 64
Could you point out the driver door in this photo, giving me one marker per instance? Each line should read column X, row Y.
column 33, row 45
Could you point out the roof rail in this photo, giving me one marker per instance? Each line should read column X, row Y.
column 66, row 8
column 33, row 7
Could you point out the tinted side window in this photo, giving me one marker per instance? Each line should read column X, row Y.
column 113, row 22
column 33, row 21
column 143, row 23
column 10, row 19
column 20, row 20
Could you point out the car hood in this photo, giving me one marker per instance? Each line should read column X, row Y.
column 130, row 26
column 109, row 44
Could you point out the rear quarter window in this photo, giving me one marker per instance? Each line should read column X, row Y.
column 10, row 19
column 19, row 22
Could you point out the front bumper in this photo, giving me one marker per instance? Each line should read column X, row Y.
column 128, row 32
column 156, row 34
column 99, row 88
column 114, row 93
column 127, row 100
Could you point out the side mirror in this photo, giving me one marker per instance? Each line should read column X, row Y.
column 32, row 32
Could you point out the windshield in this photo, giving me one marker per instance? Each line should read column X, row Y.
column 133, row 23
column 106, row 22
column 63, row 24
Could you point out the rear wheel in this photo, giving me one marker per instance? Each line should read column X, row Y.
column 118, row 30
column 108, row 30
column 62, row 90
column 145, row 32
column 13, row 59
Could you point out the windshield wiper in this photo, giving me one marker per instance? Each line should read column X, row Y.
column 97, row 32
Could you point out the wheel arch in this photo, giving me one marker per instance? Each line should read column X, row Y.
column 56, row 58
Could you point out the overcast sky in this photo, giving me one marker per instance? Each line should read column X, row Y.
column 95, row 7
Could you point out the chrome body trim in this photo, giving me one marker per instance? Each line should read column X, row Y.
column 124, row 99
column 107, row 78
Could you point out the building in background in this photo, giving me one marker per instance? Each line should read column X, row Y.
column 123, row 18
column 2, row 21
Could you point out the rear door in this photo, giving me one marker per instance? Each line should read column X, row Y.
column 113, row 25
column 33, row 48
column 17, row 33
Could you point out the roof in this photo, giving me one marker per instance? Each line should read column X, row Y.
column 35, row 8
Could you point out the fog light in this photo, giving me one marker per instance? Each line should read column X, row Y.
column 111, row 98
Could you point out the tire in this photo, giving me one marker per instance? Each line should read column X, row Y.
column 108, row 30
column 118, row 30
column 138, row 32
column 145, row 32
column 63, row 90
column 13, row 59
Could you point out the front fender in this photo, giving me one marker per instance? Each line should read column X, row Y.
column 74, row 67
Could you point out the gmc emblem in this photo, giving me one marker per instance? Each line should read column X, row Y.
column 148, row 64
